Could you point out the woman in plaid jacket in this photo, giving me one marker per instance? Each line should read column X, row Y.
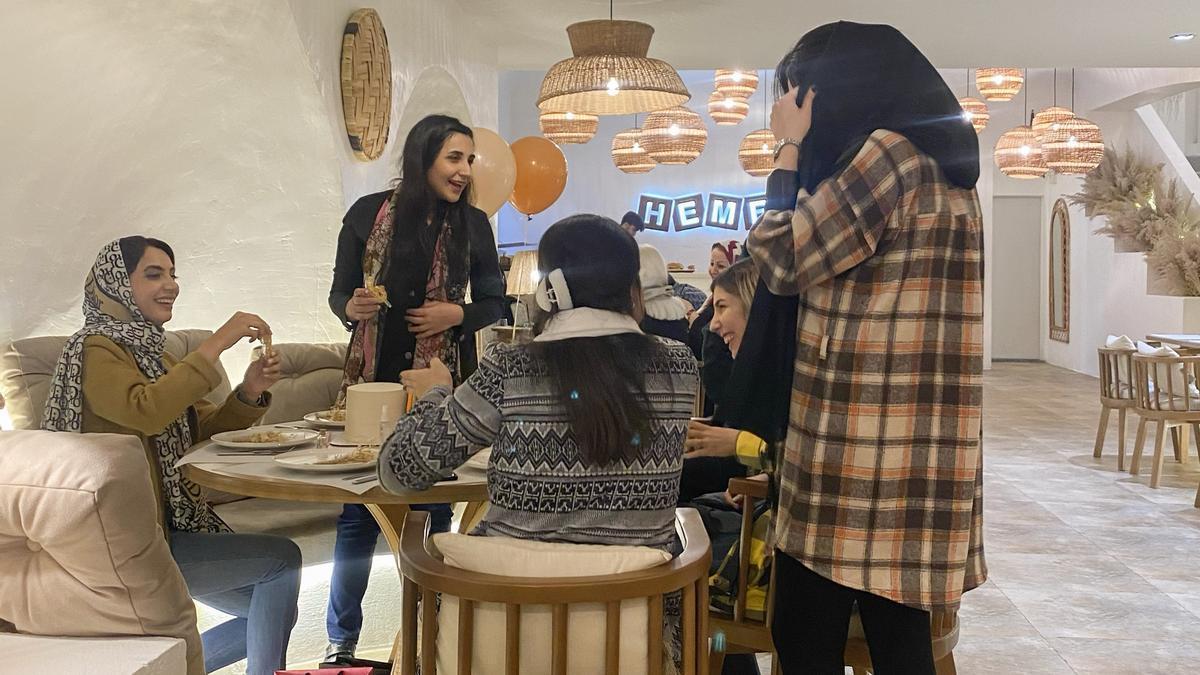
column 874, row 228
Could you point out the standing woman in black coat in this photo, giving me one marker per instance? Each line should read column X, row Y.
column 405, row 258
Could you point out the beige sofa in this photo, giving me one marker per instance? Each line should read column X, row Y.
column 26, row 367
column 83, row 556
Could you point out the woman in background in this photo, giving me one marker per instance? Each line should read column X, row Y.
column 665, row 314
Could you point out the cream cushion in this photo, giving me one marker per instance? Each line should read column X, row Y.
column 586, row 623
column 311, row 377
column 80, row 546
column 1177, row 381
column 27, row 366
column 94, row 656
column 1124, row 384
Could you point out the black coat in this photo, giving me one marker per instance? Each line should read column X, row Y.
column 406, row 282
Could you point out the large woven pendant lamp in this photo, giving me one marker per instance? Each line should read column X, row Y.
column 610, row 73
column 1049, row 118
column 727, row 110
column 999, row 84
column 628, row 155
column 1073, row 146
column 735, row 83
column 674, row 136
column 1018, row 154
column 568, row 127
column 756, row 153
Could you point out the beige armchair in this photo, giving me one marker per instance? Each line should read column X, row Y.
column 27, row 366
column 312, row 374
column 83, row 556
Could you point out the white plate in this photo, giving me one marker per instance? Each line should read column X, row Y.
column 480, row 460
column 315, row 419
column 302, row 460
column 289, row 438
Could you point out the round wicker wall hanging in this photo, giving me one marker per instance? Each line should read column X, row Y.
column 366, row 84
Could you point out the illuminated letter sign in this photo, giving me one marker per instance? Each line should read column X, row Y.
column 754, row 208
column 723, row 211
column 656, row 212
column 688, row 213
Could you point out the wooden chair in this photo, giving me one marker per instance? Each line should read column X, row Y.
column 424, row 576
column 744, row 634
column 1116, row 393
column 1165, row 394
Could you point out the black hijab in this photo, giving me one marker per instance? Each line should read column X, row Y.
column 867, row 77
column 870, row 77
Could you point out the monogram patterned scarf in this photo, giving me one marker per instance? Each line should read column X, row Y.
column 109, row 310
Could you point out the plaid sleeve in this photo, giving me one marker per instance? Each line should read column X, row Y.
column 839, row 225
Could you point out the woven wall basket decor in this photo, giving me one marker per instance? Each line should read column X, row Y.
column 366, row 84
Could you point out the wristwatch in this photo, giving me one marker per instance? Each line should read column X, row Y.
column 784, row 142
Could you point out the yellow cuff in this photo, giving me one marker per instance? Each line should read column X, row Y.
column 749, row 449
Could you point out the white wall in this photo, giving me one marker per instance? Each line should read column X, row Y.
column 216, row 126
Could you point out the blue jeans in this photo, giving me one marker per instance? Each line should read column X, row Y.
column 254, row 577
column 357, row 533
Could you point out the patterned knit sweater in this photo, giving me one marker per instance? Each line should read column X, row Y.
column 538, row 485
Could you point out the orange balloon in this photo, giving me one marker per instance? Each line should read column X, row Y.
column 541, row 174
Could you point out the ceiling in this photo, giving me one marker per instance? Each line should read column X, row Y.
column 531, row 34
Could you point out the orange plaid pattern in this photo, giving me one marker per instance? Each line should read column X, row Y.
column 881, row 475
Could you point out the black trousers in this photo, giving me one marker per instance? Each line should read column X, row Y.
column 812, row 617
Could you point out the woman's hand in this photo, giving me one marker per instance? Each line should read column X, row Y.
column 261, row 374
column 791, row 121
column 240, row 325
column 362, row 306
column 433, row 317
column 419, row 382
column 736, row 500
column 709, row 441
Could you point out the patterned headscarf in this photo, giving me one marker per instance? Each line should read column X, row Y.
column 109, row 310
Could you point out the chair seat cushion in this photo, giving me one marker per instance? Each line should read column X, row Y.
column 586, row 623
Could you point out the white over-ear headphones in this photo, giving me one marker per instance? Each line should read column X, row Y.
column 552, row 291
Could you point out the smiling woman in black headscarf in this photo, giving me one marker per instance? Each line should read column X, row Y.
column 865, row 349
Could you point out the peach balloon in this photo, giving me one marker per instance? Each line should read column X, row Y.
column 494, row 172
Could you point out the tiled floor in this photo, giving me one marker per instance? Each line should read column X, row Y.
column 1091, row 570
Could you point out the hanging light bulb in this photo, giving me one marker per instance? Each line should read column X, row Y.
column 975, row 112
column 674, row 136
column 735, row 83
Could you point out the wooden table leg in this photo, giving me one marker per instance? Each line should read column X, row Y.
column 391, row 522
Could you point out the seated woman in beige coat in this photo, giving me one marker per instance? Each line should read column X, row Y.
column 114, row 377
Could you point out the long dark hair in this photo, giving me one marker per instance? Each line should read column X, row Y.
column 415, row 200
column 600, row 381
column 870, row 77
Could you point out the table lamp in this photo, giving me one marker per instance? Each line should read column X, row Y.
column 523, row 278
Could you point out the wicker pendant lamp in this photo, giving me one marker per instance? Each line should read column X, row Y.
column 1073, row 146
column 628, row 155
column 1049, row 118
column 726, row 110
column 975, row 112
column 1018, row 154
column 757, row 152
column 568, row 127
column 674, row 136
column 610, row 73
column 999, row 84
column 735, row 83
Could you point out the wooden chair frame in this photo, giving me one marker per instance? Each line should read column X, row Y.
column 1117, row 394
column 1166, row 407
column 747, row 635
column 423, row 576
